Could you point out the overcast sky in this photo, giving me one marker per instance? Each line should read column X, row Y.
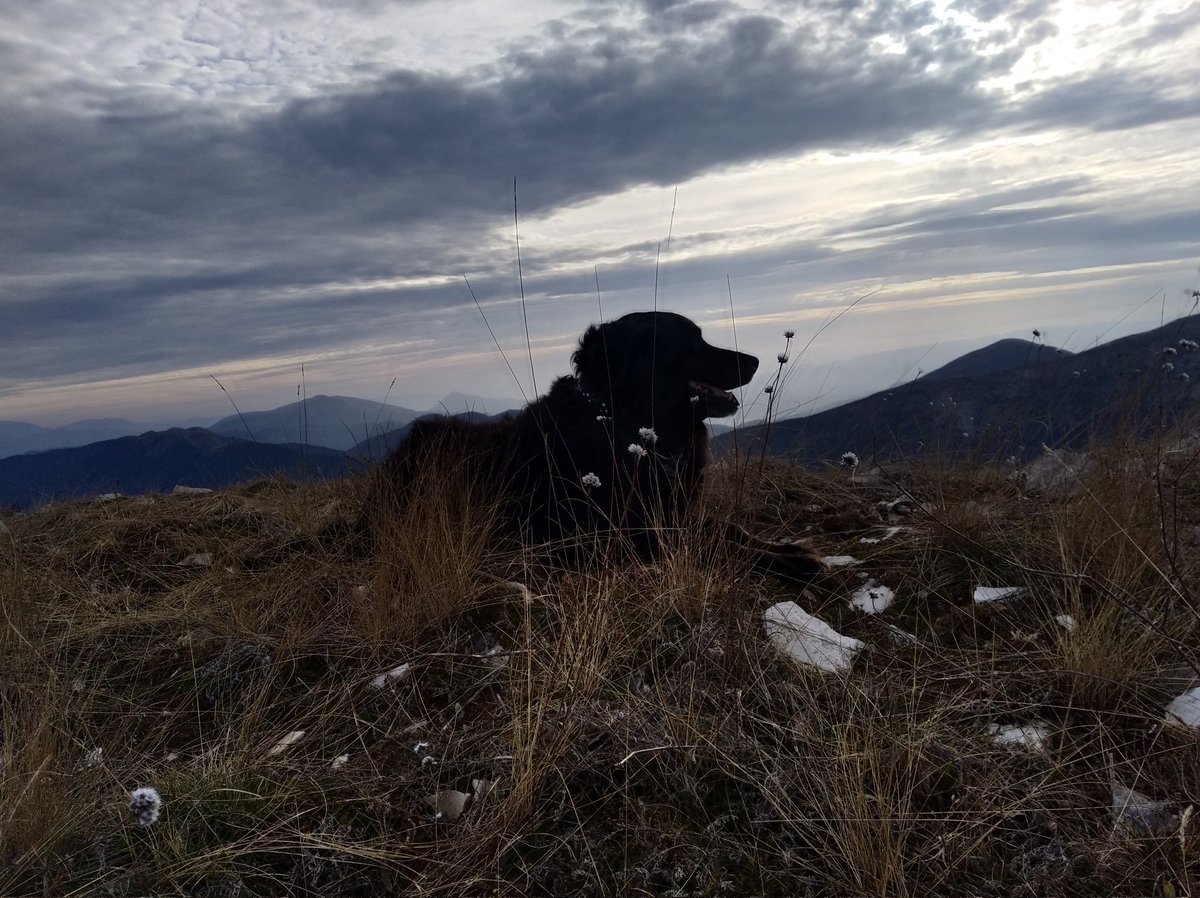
column 228, row 189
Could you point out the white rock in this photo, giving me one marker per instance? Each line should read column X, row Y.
column 191, row 490
column 395, row 675
column 286, row 742
column 1185, row 709
column 109, row 497
column 448, row 805
column 901, row 637
column 808, row 639
column 839, row 560
column 1134, row 810
column 482, row 788
column 1032, row 735
column 985, row 594
column 1057, row 474
column 199, row 559
column 495, row 657
column 902, row 507
column 872, row 540
column 872, row 598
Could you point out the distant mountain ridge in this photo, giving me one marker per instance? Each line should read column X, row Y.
column 156, row 461
column 335, row 422
column 971, row 409
column 1005, row 399
column 17, row 437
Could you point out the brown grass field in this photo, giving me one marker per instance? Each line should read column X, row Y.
column 626, row 729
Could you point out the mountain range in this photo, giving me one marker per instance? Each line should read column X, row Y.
column 335, row 422
column 156, row 461
column 17, row 437
column 1004, row 400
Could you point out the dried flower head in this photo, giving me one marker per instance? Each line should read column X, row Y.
column 783, row 357
column 769, row 389
column 591, row 481
column 1170, row 350
column 849, row 460
column 637, row 451
column 789, row 334
column 647, row 435
column 145, row 803
column 1037, row 333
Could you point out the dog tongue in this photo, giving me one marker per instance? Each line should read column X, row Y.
column 711, row 391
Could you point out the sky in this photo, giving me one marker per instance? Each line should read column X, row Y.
column 216, row 202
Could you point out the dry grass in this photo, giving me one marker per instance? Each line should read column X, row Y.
column 640, row 734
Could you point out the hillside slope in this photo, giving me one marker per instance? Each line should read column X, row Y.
column 1138, row 383
column 155, row 462
column 201, row 698
column 1003, row 355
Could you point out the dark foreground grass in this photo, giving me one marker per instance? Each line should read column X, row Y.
column 622, row 730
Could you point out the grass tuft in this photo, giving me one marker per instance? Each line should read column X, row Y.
column 451, row 716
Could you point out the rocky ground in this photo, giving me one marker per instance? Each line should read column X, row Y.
column 991, row 692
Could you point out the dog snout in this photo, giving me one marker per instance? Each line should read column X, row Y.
column 729, row 369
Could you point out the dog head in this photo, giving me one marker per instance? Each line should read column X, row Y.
column 659, row 361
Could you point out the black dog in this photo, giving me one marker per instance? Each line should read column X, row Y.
column 618, row 448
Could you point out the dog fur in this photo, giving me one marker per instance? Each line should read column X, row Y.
column 630, row 417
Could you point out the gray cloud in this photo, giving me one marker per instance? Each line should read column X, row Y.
column 1169, row 28
column 1108, row 101
column 112, row 202
column 148, row 230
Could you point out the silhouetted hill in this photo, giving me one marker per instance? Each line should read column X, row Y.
column 1003, row 355
column 336, row 422
column 155, row 461
column 1061, row 400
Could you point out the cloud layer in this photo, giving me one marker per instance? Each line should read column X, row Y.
column 177, row 202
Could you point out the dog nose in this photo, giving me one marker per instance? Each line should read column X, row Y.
column 748, row 364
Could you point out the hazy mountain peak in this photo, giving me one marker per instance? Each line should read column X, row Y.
column 338, row 422
column 1003, row 355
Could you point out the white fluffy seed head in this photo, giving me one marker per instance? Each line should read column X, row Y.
column 145, row 803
